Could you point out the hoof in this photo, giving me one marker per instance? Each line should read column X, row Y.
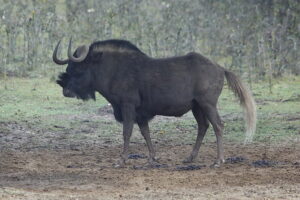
column 119, row 164
column 153, row 161
column 218, row 163
column 188, row 160
column 215, row 165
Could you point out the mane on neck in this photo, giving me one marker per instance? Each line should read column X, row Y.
column 121, row 46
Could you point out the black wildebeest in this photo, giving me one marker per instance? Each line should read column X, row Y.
column 140, row 87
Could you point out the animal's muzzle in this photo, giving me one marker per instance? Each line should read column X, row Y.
column 68, row 93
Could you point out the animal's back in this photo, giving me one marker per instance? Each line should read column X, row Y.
column 168, row 86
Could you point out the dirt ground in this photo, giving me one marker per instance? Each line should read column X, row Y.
column 88, row 174
column 85, row 171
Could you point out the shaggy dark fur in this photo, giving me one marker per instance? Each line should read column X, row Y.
column 140, row 87
column 115, row 45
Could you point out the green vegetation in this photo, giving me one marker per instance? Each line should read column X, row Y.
column 39, row 105
column 256, row 39
column 63, row 148
column 28, row 98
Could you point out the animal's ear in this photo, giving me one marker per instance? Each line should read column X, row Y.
column 79, row 51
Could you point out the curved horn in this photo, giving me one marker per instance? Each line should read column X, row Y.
column 81, row 57
column 54, row 56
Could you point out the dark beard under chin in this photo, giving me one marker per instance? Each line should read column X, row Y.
column 86, row 95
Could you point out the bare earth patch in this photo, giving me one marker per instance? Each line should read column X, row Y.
column 88, row 174
column 76, row 163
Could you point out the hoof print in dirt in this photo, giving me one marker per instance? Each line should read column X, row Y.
column 138, row 167
column 296, row 163
column 233, row 160
column 264, row 163
column 136, row 156
column 189, row 167
column 152, row 166
column 158, row 166
column 72, row 166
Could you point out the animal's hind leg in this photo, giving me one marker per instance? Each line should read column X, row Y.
column 202, row 128
column 211, row 112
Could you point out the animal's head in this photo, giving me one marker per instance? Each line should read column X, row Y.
column 77, row 81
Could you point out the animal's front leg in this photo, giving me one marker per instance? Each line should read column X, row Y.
column 128, row 121
column 144, row 127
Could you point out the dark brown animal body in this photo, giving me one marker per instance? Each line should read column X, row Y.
column 140, row 87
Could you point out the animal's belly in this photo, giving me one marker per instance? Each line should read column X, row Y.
column 173, row 110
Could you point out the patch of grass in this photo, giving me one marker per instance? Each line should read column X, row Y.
column 39, row 104
column 40, row 101
column 277, row 111
column 278, row 115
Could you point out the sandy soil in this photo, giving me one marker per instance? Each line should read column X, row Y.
column 88, row 174
column 30, row 169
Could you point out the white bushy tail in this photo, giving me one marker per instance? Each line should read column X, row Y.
column 246, row 101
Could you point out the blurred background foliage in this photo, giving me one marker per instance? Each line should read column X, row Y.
column 258, row 39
